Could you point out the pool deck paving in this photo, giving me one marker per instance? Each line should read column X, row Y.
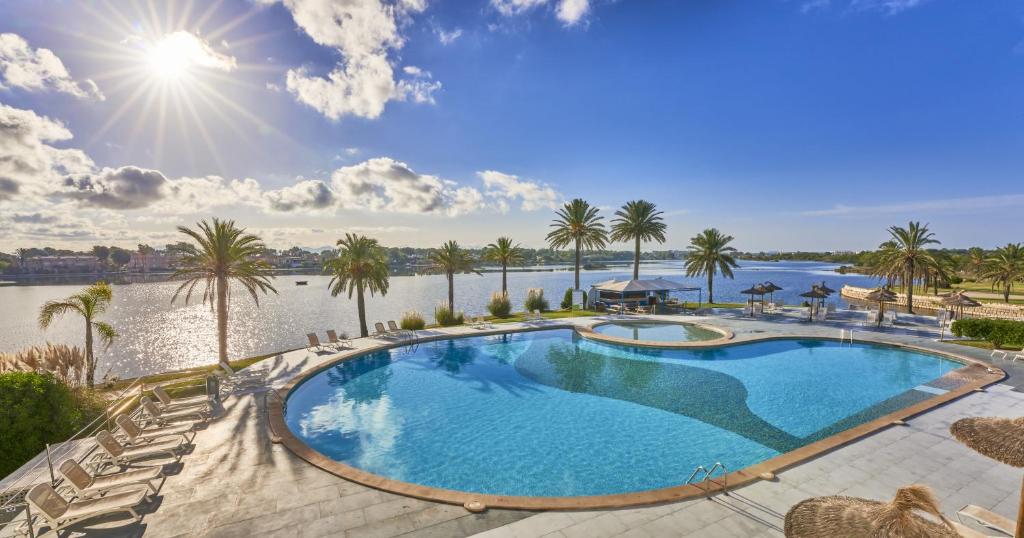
column 237, row 482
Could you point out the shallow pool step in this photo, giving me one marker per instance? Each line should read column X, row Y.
column 930, row 390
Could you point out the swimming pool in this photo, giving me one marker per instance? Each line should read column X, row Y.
column 653, row 331
column 548, row 413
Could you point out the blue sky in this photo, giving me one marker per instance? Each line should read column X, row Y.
column 789, row 124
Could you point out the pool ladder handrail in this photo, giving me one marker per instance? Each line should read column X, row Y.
column 703, row 484
column 843, row 338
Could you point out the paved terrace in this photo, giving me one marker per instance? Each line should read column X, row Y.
column 236, row 482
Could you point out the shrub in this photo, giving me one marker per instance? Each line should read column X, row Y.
column 567, row 299
column 446, row 318
column 35, row 409
column 955, row 279
column 66, row 363
column 998, row 331
column 412, row 321
column 500, row 306
column 535, row 301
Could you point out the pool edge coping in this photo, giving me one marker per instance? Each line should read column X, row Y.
column 588, row 332
column 979, row 373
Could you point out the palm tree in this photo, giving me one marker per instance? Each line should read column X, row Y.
column 361, row 265
column 451, row 259
column 578, row 224
column 506, row 253
column 638, row 220
column 904, row 256
column 1004, row 267
column 220, row 253
column 974, row 263
column 710, row 253
column 89, row 303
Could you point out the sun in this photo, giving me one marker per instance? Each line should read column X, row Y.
column 169, row 58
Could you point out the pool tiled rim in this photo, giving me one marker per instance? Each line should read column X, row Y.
column 975, row 374
column 588, row 332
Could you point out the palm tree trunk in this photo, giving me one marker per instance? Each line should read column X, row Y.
column 577, row 286
column 361, row 306
column 451, row 293
column 90, row 360
column 711, row 291
column 504, row 282
column 222, row 319
column 636, row 260
column 910, row 288
column 1006, row 293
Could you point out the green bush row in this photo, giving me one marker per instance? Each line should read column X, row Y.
column 36, row 409
column 412, row 321
column 998, row 331
column 446, row 318
column 499, row 306
column 535, row 301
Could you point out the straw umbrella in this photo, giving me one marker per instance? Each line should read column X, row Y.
column 881, row 296
column 752, row 291
column 771, row 288
column 1001, row 439
column 959, row 300
column 813, row 295
column 852, row 517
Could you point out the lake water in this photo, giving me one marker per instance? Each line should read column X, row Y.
column 156, row 336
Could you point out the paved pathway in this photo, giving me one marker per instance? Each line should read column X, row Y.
column 236, row 482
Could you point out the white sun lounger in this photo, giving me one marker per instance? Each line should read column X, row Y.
column 168, row 404
column 380, row 331
column 395, row 330
column 87, row 485
column 60, row 513
column 134, row 434
column 123, row 455
column 314, row 343
column 160, row 416
column 998, row 354
column 338, row 343
column 986, row 518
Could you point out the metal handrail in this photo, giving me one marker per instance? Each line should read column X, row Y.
column 694, row 473
column 725, row 477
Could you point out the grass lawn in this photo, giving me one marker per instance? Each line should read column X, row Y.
column 980, row 344
column 191, row 380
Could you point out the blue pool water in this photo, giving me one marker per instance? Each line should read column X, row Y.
column 550, row 414
column 656, row 332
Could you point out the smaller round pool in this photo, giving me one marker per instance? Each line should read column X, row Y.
column 656, row 332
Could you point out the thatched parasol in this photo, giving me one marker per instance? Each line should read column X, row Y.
column 815, row 293
column 756, row 289
column 1001, row 439
column 852, row 517
column 959, row 300
column 881, row 296
column 825, row 288
column 771, row 288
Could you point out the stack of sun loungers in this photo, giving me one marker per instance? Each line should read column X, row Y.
column 98, row 490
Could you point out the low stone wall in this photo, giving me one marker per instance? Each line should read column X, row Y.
column 931, row 302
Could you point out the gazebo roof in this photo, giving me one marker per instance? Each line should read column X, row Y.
column 627, row 286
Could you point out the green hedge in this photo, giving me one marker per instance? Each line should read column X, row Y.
column 36, row 409
column 998, row 331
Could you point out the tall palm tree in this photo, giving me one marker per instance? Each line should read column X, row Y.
column 974, row 262
column 1004, row 267
column 506, row 253
column 88, row 303
column 361, row 265
column 221, row 253
column 709, row 253
column 451, row 259
column 638, row 220
column 577, row 223
column 905, row 257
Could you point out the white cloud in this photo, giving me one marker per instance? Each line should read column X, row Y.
column 448, row 37
column 958, row 205
column 31, row 69
column 128, row 187
column 890, row 7
column 29, row 165
column 505, row 188
column 570, row 12
column 306, row 194
column 364, row 33
column 419, row 88
column 384, row 184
